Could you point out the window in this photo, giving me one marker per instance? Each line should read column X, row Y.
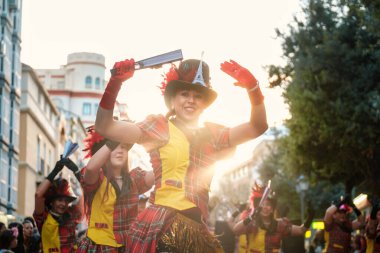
column 5, row 115
column 49, row 163
column 14, row 182
column 15, row 124
column 4, row 175
column 43, row 159
column 88, row 82
column 97, row 83
column 96, row 105
column 39, row 97
column 86, row 109
column 38, row 155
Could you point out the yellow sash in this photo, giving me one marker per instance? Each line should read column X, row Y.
column 100, row 228
column 257, row 241
column 50, row 235
column 175, row 161
column 370, row 246
column 242, row 243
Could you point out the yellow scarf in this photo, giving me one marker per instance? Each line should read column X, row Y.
column 50, row 235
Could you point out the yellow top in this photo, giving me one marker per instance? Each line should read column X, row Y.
column 370, row 246
column 175, row 161
column 50, row 235
column 100, row 227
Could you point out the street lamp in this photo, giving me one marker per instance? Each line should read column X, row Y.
column 301, row 187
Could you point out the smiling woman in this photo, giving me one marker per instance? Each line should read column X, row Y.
column 182, row 152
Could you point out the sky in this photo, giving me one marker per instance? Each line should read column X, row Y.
column 242, row 30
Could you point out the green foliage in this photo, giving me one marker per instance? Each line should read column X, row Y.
column 319, row 194
column 332, row 86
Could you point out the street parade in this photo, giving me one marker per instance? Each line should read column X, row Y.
column 184, row 150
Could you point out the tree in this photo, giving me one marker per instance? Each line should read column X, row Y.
column 332, row 86
column 319, row 195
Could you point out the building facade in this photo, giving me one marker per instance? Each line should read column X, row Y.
column 43, row 134
column 235, row 184
column 10, row 79
column 76, row 88
column 39, row 136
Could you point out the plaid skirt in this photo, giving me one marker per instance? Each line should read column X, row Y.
column 159, row 228
column 87, row 245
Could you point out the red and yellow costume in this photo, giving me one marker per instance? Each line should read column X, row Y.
column 58, row 232
column 258, row 238
column 261, row 240
column 183, row 174
column 338, row 237
column 110, row 212
column 110, row 208
column 373, row 239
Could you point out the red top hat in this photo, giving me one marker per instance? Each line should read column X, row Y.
column 59, row 188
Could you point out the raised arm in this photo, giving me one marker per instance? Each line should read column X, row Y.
column 97, row 161
column 39, row 204
column 257, row 124
column 240, row 228
column 301, row 230
column 328, row 219
column 121, row 131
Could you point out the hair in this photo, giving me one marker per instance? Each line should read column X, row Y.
column 109, row 175
column 27, row 222
column 6, row 238
column 2, row 225
column 31, row 220
column 170, row 113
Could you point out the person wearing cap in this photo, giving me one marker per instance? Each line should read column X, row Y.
column 338, row 227
column 55, row 216
column 373, row 229
column 259, row 230
column 111, row 194
column 182, row 152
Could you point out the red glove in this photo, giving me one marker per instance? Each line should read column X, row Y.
column 244, row 78
column 123, row 71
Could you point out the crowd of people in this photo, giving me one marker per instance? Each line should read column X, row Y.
column 175, row 218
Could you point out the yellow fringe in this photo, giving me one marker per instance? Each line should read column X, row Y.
column 186, row 235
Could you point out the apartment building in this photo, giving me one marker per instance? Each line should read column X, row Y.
column 10, row 78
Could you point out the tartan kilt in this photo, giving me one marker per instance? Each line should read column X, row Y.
column 153, row 226
column 86, row 245
column 146, row 230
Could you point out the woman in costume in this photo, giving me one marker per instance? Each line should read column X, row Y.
column 259, row 230
column 111, row 194
column 182, row 152
column 56, row 219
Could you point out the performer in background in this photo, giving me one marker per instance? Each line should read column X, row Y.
column 56, row 219
column 259, row 231
column 338, row 227
column 182, row 152
column 111, row 194
column 373, row 229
